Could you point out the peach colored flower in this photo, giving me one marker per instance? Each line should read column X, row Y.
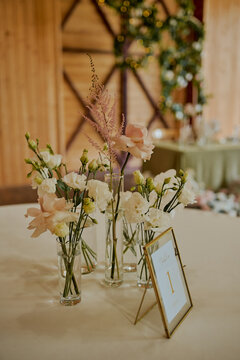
column 135, row 142
column 52, row 212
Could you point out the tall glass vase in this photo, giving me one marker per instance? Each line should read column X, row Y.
column 69, row 272
column 114, row 234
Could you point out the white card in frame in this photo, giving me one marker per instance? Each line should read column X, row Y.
column 169, row 280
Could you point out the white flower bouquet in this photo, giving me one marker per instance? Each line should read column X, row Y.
column 151, row 203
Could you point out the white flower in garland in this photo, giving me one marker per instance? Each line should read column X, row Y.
column 169, row 75
column 182, row 82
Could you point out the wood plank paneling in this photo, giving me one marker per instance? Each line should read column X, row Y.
column 30, row 82
column 221, row 62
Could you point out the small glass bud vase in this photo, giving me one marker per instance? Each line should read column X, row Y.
column 69, row 272
column 114, row 234
column 130, row 235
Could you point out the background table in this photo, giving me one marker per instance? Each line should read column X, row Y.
column 35, row 326
column 215, row 165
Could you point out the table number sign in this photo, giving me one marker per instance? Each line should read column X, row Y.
column 169, row 281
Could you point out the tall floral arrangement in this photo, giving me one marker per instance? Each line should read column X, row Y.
column 134, row 142
column 67, row 203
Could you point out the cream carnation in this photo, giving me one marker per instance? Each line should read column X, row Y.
column 75, row 181
column 99, row 191
column 157, row 219
column 187, row 195
column 135, row 208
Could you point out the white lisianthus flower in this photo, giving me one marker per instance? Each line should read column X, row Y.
column 187, row 195
column 99, row 191
column 75, row 181
column 47, row 186
column 135, row 208
column 159, row 179
column 51, row 160
column 157, row 219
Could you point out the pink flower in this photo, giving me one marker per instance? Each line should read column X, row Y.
column 53, row 211
column 135, row 142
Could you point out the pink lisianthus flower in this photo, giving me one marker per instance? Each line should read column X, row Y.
column 53, row 211
column 135, row 142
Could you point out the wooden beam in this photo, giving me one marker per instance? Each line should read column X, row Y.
column 150, row 99
column 69, row 13
column 164, row 6
column 77, row 50
column 103, row 18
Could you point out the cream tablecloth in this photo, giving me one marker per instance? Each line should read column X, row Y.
column 214, row 165
column 35, row 326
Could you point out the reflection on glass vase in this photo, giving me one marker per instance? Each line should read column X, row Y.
column 130, row 234
column 143, row 274
column 69, row 272
column 89, row 251
column 114, row 234
column 114, row 253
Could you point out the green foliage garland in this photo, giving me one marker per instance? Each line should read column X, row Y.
column 180, row 62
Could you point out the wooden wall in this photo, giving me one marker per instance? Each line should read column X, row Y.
column 30, row 82
column 86, row 30
column 221, row 62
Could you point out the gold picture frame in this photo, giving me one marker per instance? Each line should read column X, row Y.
column 168, row 279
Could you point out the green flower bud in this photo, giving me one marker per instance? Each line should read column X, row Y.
column 105, row 147
column 138, row 177
column 27, row 136
column 88, row 205
column 84, row 157
column 167, row 180
column 139, row 188
column 94, row 221
column 28, row 161
column 93, row 166
column 32, row 145
column 133, row 188
column 181, row 173
column 150, row 184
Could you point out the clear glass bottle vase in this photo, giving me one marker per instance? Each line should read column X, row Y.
column 69, row 272
column 114, row 234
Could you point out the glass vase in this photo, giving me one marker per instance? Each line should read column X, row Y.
column 89, row 251
column 143, row 274
column 130, row 234
column 69, row 272
column 114, row 234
